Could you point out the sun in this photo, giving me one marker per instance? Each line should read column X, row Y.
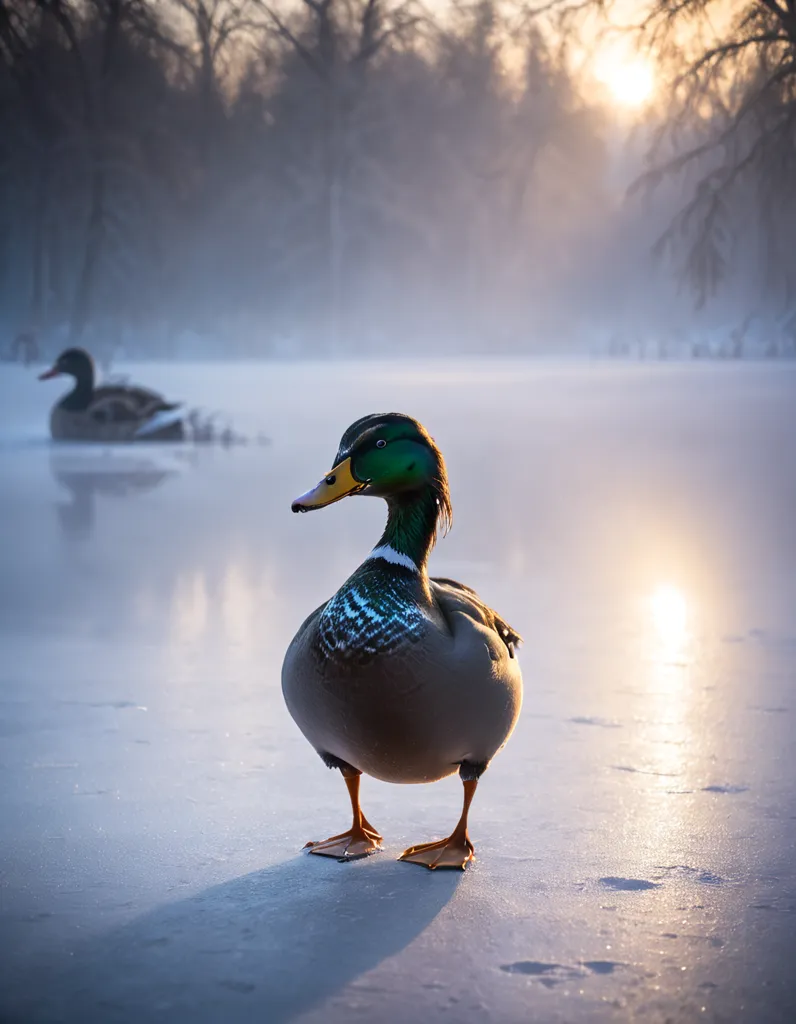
column 631, row 84
column 630, row 80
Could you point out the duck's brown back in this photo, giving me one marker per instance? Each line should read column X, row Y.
column 114, row 415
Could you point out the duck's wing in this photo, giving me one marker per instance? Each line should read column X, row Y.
column 116, row 404
column 123, row 404
column 147, row 400
column 453, row 596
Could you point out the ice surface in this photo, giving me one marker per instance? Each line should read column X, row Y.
column 636, row 838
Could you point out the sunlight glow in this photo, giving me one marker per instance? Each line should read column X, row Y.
column 670, row 617
column 629, row 79
column 669, row 613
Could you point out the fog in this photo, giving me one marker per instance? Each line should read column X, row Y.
column 635, row 838
column 201, row 179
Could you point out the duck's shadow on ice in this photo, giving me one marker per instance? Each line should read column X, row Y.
column 263, row 947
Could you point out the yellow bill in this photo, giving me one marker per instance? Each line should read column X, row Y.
column 337, row 484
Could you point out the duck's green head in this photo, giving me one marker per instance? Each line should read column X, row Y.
column 74, row 362
column 387, row 455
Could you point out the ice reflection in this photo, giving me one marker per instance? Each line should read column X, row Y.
column 670, row 618
column 668, row 645
column 238, row 607
column 221, row 606
column 670, row 729
column 85, row 476
column 189, row 607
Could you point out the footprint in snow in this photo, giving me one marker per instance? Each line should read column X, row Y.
column 628, row 884
column 551, row 974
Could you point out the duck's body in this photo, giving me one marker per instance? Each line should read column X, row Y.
column 404, row 681
column 400, row 676
column 111, row 414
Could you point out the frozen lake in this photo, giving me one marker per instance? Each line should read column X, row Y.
column 636, row 840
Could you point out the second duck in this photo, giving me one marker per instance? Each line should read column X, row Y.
column 112, row 413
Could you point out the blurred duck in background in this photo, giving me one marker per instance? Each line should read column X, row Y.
column 112, row 413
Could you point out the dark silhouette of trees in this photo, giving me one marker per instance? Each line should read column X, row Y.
column 371, row 175
column 337, row 174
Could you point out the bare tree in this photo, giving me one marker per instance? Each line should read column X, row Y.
column 215, row 26
column 348, row 172
column 727, row 128
column 24, row 36
column 91, row 34
column 337, row 42
column 95, row 91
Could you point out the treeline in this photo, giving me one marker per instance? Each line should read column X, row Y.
column 320, row 176
column 340, row 174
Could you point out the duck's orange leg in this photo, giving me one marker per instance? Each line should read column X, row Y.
column 454, row 852
column 361, row 839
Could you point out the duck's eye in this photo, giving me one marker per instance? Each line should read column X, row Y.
column 381, row 443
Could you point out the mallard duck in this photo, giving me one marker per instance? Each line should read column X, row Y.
column 400, row 676
column 111, row 413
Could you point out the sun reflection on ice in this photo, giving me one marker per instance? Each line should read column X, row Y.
column 189, row 608
column 671, row 620
column 669, row 730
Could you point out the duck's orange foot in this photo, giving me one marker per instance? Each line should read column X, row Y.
column 454, row 852
column 350, row 845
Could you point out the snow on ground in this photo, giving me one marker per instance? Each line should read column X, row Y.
column 636, row 838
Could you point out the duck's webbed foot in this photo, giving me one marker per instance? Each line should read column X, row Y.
column 361, row 839
column 454, row 852
column 358, row 841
